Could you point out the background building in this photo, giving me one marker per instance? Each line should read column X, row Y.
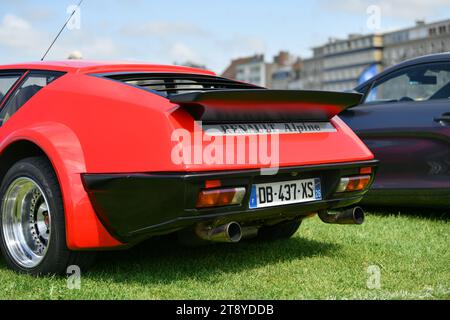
column 340, row 64
column 252, row 69
column 285, row 70
column 311, row 75
column 345, row 60
column 279, row 74
column 420, row 40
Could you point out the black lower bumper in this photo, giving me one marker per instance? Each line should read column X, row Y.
column 137, row 206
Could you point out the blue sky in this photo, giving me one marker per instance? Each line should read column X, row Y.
column 202, row 31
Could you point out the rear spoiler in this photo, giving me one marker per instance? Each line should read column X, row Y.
column 265, row 105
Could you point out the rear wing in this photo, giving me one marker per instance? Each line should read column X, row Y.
column 265, row 105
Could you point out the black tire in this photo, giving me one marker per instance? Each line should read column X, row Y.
column 57, row 257
column 284, row 230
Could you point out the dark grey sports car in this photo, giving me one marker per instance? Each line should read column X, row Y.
column 405, row 120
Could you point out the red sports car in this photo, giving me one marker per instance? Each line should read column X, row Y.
column 97, row 156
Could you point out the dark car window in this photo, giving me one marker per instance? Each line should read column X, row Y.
column 418, row 83
column 6, row 83
column 34, row 82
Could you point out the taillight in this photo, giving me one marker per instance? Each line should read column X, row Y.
column 366, row 170
column 211, row 184
column 220, row 197
column 351, row 184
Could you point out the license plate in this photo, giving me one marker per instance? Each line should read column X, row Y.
column 285, row 193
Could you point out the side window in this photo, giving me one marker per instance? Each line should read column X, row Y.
column 420, row 83
column 6, row 83
column 32, row 84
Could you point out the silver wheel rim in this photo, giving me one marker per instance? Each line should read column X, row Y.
column 26, row 222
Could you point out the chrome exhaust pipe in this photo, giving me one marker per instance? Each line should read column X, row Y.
column 354, row 215
column 228, row 233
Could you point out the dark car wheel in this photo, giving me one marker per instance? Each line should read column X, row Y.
column 32, row 223
column 284, row 230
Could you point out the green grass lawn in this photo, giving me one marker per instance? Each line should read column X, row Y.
column 320, row 262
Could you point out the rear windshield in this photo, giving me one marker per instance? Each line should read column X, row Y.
column 171, row 84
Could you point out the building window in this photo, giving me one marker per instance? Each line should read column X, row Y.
column 432, row 32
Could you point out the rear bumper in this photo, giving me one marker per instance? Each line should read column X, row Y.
column 137, row 206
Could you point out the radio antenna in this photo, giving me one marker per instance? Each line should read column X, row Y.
column 62, row 29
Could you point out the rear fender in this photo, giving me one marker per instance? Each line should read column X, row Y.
column 62, row 147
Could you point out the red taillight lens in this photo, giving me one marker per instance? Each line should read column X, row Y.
column 211, row 184
column 351, row 184
column 220, row 197
column 367, row 170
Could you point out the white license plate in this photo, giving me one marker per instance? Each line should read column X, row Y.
column 285, row 193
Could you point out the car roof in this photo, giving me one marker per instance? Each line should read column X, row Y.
column 438, row 57
column 92, row 66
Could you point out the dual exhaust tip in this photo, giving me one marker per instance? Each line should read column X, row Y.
column 232, row 232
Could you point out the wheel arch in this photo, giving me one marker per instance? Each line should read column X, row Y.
column 19, row 150
column 61, row 147
column 54, row 141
